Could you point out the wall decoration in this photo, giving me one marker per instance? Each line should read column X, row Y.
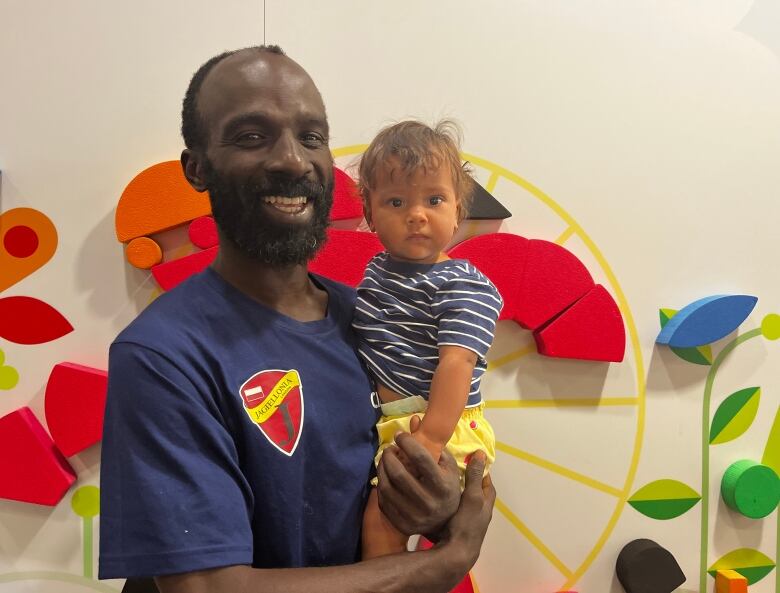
column 28, row 239
column 643, row 566
column 9, row 376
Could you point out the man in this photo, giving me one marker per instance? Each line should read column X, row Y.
column 239, row 425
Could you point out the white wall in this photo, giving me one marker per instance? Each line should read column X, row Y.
column 654, row 125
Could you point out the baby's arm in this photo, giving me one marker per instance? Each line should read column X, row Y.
column 449, row 391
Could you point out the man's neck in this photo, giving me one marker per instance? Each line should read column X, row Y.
column 288, row 290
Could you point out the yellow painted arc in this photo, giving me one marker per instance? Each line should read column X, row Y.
column 558, row 469
column 564, row 236
column 511, row 357
column 561, row 402
column 492, row 181
column 533, row 538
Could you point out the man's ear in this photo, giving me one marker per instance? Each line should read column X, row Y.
column 192, row 165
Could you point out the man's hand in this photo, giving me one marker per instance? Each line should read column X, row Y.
column 416, row 493
column 468, row 527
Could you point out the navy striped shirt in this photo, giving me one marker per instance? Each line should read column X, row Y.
column 406, row 311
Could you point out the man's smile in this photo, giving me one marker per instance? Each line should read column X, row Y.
column 296, row 205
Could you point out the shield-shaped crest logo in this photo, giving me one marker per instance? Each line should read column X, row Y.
column 273, row 399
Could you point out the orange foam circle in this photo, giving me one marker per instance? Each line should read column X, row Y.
column 143, row 253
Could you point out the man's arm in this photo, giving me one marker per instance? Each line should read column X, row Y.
column 436, row 570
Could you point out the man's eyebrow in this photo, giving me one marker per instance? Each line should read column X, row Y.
column 255, row 117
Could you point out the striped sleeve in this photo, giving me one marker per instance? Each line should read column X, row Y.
column 466, row 310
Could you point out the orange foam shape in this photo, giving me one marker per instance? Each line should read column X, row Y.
column 75, row 400
column 32, row 469
column 143, row 252
column 591, row 329
column 157, row 199
column 13, row 268
column 730, row 581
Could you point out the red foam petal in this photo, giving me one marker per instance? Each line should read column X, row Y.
column 591, row 329
column 346, row 198
column 75, row 400
column 465, row 586
column 31, row 467
column 501, row 257
column 25, row 320
column 171, row 273
column 345, row 255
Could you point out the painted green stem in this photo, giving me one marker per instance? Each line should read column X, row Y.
column 705, row 449
column 87, row 547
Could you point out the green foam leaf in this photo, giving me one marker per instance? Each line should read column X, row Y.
column 666, row 315
column 696, row 354
column 771, row 456
column 734, row 415
column 751, row 564
column 664, row 499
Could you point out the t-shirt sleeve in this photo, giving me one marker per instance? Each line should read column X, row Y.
column 466, row 310
column 173, row 498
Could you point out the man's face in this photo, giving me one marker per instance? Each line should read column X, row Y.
column 267, row 164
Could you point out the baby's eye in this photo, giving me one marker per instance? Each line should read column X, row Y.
column 395, row 202
column 435, row 200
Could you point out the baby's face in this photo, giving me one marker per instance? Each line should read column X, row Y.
column 415, row 216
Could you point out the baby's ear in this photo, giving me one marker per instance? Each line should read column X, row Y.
column 367, row 215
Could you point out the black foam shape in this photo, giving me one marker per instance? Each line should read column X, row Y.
column 140, row 586
column 485, row 207
column 645, row 567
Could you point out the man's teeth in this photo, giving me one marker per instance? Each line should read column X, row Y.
column 300, row 200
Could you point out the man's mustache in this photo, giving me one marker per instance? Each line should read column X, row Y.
column 287, row 188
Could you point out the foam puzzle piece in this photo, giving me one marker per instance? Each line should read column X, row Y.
column 203, row 232
column 157, row 199
column 553, row 279
column 591, row 329
column 74, row 403
column 486, row 207
column 143, row 253
column 645, row 567
column 706, row 320
column 501, row 257
column 28, row 239
column 25, row 320
column 730, row 581
column 32, row 469
column 346, row 197
column 751, row 489
column 345, row 255
column 171, row 273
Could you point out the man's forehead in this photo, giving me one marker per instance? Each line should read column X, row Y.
column 249, row 75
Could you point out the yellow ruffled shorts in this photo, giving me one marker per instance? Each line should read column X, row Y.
column 472, row 433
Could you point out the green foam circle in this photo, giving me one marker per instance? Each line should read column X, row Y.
column 750, row 488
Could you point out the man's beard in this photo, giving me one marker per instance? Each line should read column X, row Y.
column 239, row 214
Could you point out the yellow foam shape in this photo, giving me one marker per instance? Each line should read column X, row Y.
column 13, row 268
column 730, row 581
column 157, row 199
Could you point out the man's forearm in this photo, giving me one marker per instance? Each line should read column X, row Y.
column 436, row 570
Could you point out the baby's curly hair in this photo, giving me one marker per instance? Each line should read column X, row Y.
column 419, row 146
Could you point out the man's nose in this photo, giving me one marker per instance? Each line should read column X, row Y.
column 288, row 156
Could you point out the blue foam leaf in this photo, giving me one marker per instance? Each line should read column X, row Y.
column 706, row 320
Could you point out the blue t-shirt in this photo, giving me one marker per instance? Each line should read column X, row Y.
column 234, row 435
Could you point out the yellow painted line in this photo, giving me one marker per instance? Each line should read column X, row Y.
column 565, row 235
column 491, row 184
column 473, row 583
column 511, row 357
column 558, row 469
column 533, row 538
column 568, row 402
column 348, row 150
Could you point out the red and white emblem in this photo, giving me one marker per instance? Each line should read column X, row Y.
column 273, row 399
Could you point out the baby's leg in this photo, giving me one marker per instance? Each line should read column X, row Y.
column 380, row 538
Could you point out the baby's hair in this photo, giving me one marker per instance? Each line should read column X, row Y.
column 419, row 146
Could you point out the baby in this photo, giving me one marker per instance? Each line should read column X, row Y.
column 424, row 321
